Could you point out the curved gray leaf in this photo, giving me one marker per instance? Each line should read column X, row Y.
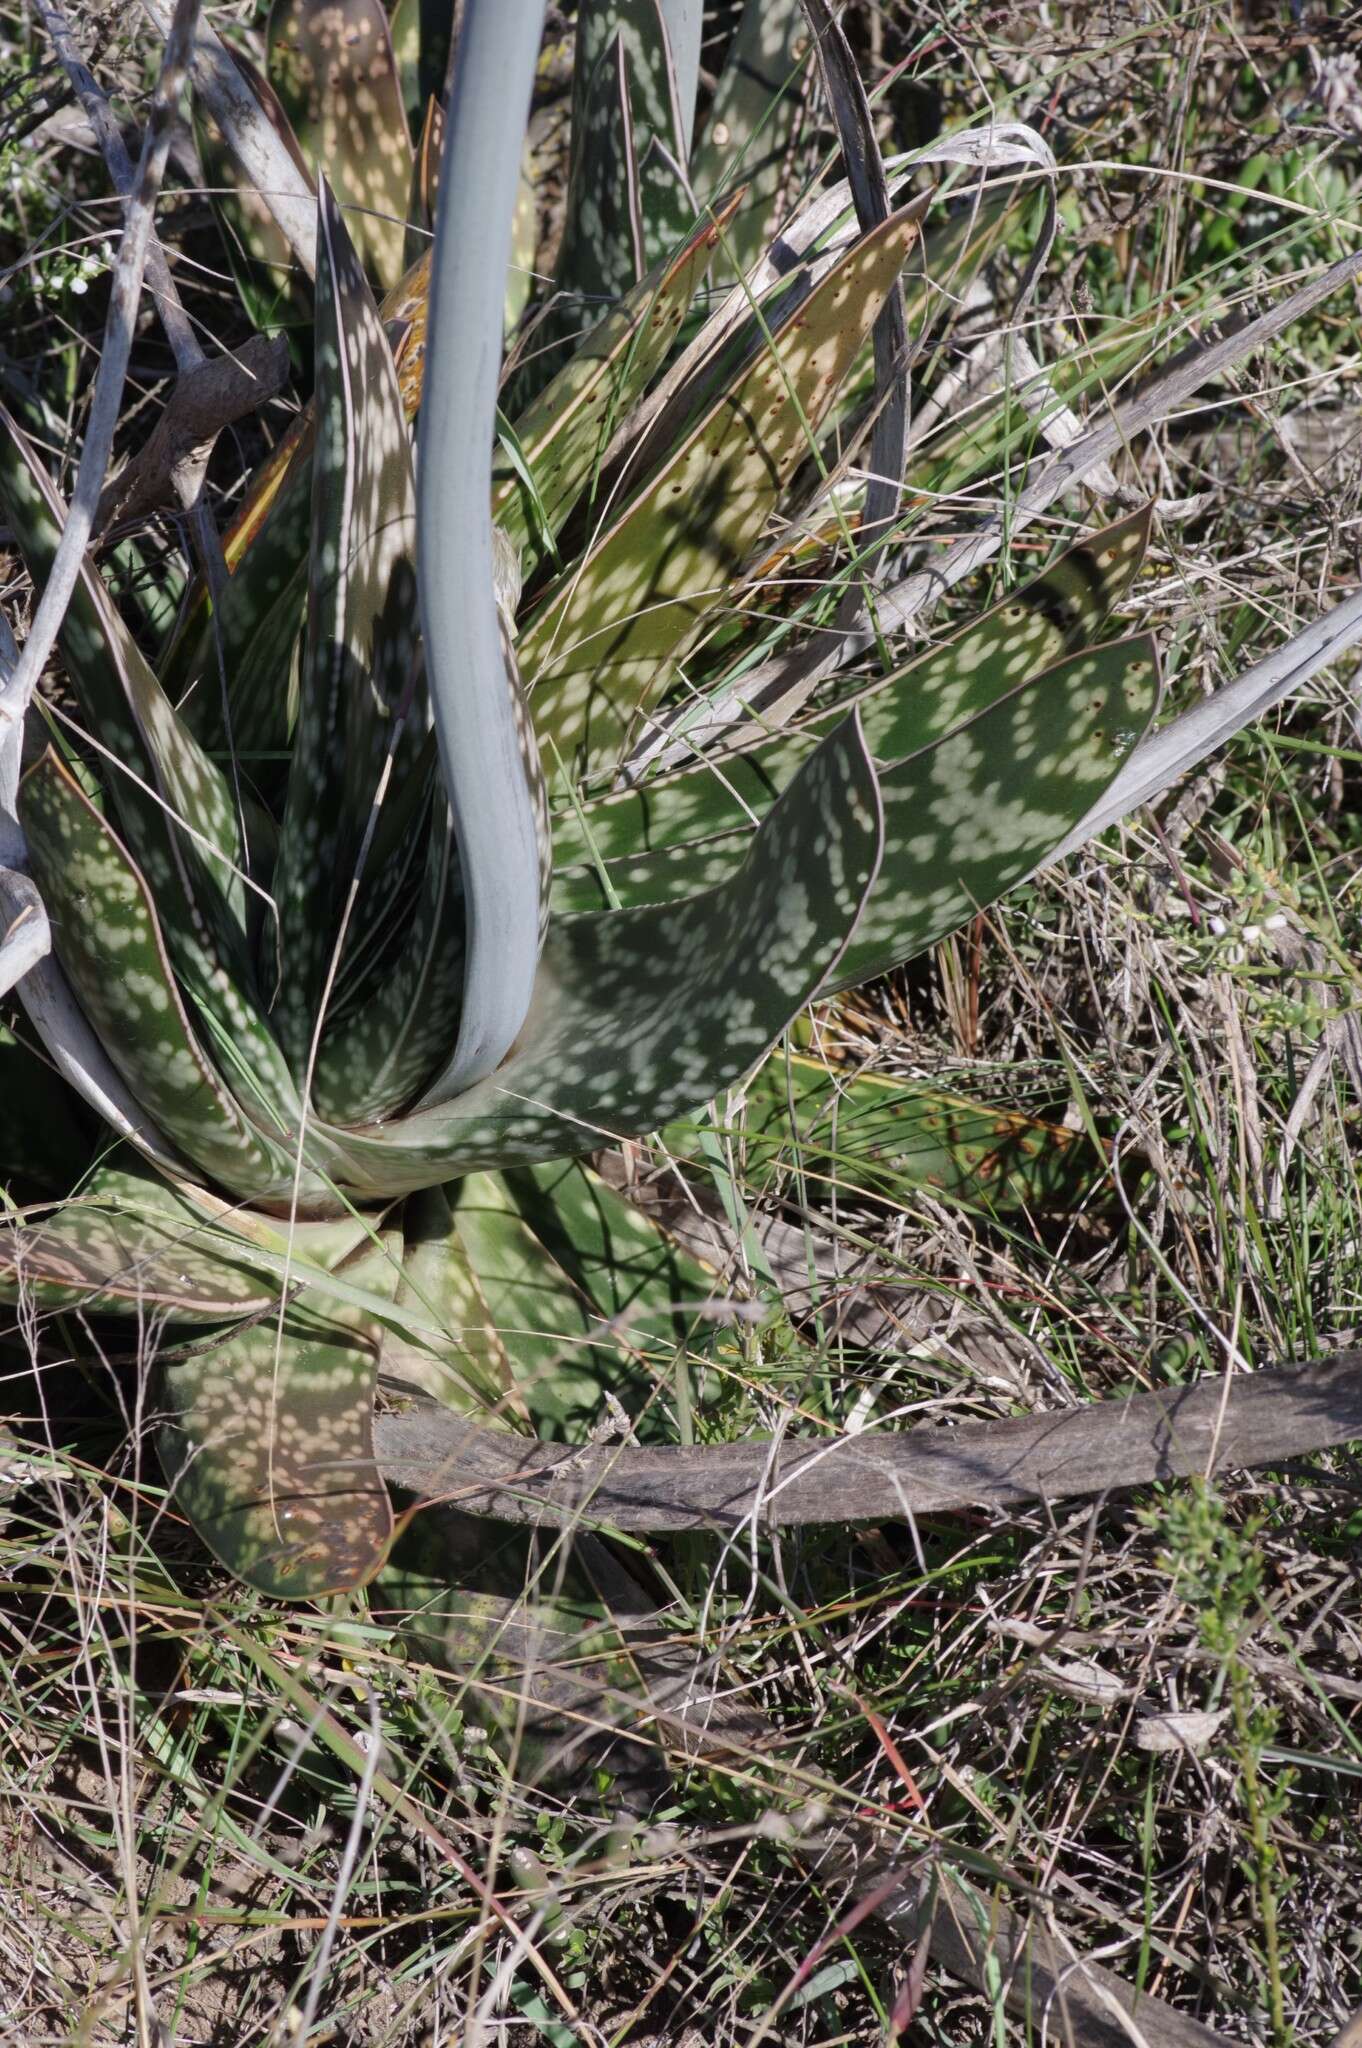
column 684, row 20
column 639, row 1015
column 474, row 694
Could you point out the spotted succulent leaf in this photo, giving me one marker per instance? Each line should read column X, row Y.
column 377, row 1058
column 358, row 695
column 466, row 1366
column 109, row 941
column 639, row 1015
column 603, row 647
column 750, row 138
column 966, row 818
column 564, row 433
column 269, row 1446
column 650, row 843
column 331, row 63
column 421, row 32
column 583, row 1292
column 628, row 201
column 133, row 1240
column 971, row 816
column 425, row 186
column 177, row 814
column 124, row 706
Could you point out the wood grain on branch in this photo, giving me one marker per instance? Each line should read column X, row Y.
column 1211, row 1426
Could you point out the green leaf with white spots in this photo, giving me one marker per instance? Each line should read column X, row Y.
column 270, row 1447
column 564, row 433
column 584, row 1293
column 603, row 647
column 331, row 63
column 628, row 202
column 358, row 695
column 131, row 1240
column 880, row 1135
column 967, row 818
column 374, row 1061
column 123, row 705
column 239, row 695
column 650, row 844
column 751, row 135
column 466, row 1367
column 107, row 937
column 174, row 806
column 421, row 32
column 640, row 1015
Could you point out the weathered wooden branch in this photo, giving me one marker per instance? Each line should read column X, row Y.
column 212, row 395
column 1064, row 1997
column 1211, row 1426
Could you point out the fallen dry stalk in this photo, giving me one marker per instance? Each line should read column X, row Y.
column 1211, row 1426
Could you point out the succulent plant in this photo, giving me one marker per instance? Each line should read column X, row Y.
column 354, row 886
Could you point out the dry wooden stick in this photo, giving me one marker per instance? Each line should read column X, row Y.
column 1059, row 1993
column 1211, row 1426
column 210, row 394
